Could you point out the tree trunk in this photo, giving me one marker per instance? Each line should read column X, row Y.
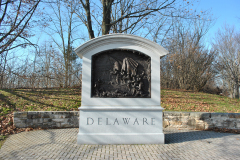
column 236, row 90
column 107, row 9
column 3, row 69
column 89, row 21
column 66, row 73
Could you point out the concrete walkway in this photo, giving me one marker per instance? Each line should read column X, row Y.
column 180, row 144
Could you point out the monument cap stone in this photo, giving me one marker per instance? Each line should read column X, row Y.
column 125, row 41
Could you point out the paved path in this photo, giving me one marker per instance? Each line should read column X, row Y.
column 180, row 144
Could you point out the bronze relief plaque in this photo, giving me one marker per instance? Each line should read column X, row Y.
column 121, row 74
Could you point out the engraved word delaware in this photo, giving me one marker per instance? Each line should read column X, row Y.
column 123, row 121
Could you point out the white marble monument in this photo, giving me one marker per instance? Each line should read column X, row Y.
column 132, row 116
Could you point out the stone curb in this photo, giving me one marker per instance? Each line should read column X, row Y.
column 46, row 119
column 188, row 120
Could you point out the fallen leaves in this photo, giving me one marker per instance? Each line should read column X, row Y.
column 7, row 127
column 190, row 101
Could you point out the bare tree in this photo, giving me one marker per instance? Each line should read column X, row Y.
column 122, row 16
column 15, row 23
column 227, row 45
column 60, row 28
column 158, row 20
column 189, row 65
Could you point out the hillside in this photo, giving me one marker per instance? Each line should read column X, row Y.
column 69, row 99
column 190, row 101
column 60, row 99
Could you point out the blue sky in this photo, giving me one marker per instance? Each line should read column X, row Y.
column 225, row 11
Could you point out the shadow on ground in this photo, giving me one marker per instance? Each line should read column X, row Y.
column 179, row 137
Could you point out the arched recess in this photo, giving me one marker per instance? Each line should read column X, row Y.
column 121, row 73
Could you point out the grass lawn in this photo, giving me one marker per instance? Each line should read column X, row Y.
column 60, row 99
column 191, row 101
column 2, row 140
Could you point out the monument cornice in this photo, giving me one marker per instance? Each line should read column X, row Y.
column 120, row 41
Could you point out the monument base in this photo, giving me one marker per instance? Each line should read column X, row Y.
column 120, row 138
column 120, row 125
